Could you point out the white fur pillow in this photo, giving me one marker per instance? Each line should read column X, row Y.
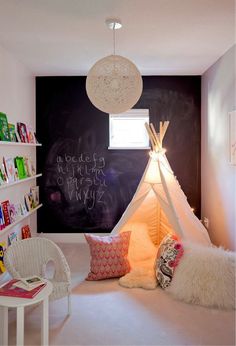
column 142, row 251
column 205, row 276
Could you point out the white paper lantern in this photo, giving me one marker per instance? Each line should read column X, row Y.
column 114, row 84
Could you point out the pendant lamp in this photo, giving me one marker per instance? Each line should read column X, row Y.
column 114, row 84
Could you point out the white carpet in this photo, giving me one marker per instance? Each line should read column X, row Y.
column 104, row 313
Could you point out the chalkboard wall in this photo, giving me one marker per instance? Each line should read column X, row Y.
column 86, row 187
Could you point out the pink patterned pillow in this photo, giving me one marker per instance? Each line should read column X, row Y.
column 108, row 256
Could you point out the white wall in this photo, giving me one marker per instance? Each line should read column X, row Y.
column 218, row 176
column 17, row 100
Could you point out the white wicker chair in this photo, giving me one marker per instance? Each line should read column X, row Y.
column 30, row 257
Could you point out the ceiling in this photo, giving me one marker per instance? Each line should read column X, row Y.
column 162, row 37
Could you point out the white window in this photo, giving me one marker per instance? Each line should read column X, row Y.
column 127, row 130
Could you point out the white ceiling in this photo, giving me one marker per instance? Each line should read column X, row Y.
column 162, row 37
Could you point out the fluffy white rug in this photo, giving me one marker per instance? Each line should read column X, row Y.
column 205, row 276
column 142, row 255
column 139, row 277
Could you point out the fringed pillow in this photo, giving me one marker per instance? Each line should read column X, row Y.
column 109, row 256
column 168, row 256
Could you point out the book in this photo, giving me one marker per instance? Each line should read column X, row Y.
column 2, row 221
column 18, row 211
column 3, row 173
column 12, row 132
column 10, row 168
column 29, row 201
column 18, row 139
column 35, row 193
column 21, row 129
column 23, row 209
column 25, row 232
column 8, row 289
column 4, row 131
column 30, row 169
column 16, row 174
column 26, row 288
column 6, row 214
column 1, row 177
column 30, row 134
column 20, row 165
column 27, row 167
column 12, row 212
column 12, row 238
column 29, row 283
column 33, row 169
column 2, row 250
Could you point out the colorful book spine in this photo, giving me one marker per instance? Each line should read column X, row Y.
column 2, row 221
column 4, row 130
column 2, row 250
column 21, row 129
column 6, row 214
column 25, row 232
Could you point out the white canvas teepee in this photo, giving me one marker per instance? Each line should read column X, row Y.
column 159, row 200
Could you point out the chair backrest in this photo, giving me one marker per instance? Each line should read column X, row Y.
column 30, row 256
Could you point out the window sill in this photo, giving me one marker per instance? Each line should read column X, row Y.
column 129, row 148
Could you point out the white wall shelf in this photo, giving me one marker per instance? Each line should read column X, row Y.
column 6, row 229
column 21, row 144
column 4, row 186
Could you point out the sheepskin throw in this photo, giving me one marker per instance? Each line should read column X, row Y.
column 139, row 277
column 205, row 276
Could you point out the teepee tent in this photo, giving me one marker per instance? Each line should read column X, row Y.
column 159, row 201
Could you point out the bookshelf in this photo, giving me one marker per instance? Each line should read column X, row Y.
column 20, row 144
column 6, row 229
column 14, row 195
column 14, row 191
column 6, row 185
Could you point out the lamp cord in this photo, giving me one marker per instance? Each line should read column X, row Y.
column 114, row 39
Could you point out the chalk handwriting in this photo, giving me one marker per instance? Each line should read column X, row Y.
column 83, row 178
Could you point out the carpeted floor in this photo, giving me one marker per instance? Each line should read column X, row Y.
column 104, row 313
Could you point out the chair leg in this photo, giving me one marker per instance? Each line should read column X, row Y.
column 69, row 304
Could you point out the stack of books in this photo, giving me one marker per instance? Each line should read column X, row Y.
column 23, row 288
column 13, row 169
column 19, row 132
column 11, row 212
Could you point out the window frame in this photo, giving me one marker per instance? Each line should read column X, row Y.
column 132, row 113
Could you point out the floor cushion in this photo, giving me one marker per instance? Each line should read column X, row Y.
column 109, row 256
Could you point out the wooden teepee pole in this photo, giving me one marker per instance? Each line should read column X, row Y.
column 157, row 138
column 163, row 129
column 152, row 139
